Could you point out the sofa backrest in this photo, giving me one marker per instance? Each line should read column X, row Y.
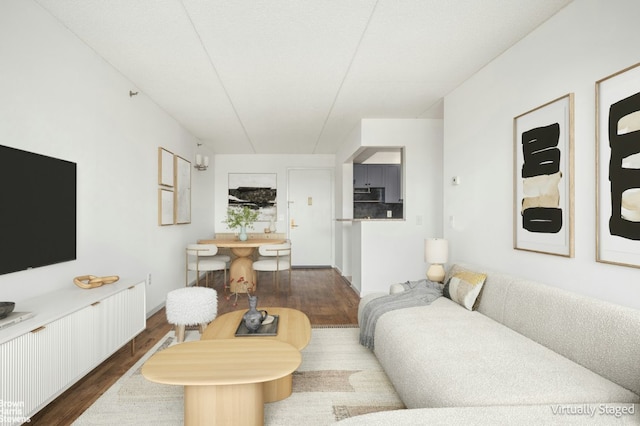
column 598, row 335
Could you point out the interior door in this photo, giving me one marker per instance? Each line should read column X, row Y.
column 310, row 201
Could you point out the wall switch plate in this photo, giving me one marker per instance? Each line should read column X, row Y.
column 455, row 180
column 389, row 213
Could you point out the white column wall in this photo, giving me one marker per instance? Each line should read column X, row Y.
column 386, row 252
column 585, row 42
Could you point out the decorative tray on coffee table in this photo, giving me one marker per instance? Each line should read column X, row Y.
column 264, row 330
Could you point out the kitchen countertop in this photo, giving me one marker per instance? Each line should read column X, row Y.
column 373, row 219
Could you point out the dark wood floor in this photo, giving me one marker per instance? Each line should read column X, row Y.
column 322, row 294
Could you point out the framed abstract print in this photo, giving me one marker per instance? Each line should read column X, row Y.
column 165, row 207
column 165, row 167
column 258, row 191
column 182, row 193
column 543, row 178
column 618, row 168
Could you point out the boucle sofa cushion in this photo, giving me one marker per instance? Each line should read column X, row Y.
column 601, row 336
column 596, row 334
column 443, row 355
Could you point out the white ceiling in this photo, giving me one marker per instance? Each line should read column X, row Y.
column 296, row 76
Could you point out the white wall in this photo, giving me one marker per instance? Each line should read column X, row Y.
column 386, row 252
column 60, row 99
column 279, row 164
column 583, row 43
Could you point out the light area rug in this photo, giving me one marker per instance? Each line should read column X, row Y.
column 338, row 379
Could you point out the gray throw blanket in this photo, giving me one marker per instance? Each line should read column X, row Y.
column 417, row 293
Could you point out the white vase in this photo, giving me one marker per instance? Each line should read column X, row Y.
column 243, row 233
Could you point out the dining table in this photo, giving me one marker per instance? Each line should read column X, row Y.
column 242, row 276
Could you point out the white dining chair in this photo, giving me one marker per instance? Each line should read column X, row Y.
column 274, row 258
column 205, row 258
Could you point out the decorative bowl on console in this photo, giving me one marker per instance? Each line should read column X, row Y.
column 6, row 308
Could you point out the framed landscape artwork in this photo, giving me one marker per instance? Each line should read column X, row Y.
column 543, row 178
column 256, row 191
column 618, row 168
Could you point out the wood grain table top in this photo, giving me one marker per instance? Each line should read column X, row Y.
column 222, row 362
column 235, row 243
column 294, row 327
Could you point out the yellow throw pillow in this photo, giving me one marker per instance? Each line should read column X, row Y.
column 464, row 287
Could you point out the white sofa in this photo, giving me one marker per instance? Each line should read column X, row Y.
column 529, row 351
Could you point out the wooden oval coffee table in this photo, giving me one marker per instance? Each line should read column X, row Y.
column 223, row 379
column 294, row 328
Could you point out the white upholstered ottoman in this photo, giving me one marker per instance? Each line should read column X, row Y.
column 191, row 306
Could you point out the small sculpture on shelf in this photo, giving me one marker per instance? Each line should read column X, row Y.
column 91, row 281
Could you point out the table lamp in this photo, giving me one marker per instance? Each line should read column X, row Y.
column 436, row 251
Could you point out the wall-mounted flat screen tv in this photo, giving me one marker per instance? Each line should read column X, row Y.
column 37, row 210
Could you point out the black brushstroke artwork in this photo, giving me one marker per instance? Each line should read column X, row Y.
column 541, row 157
column 622, row 179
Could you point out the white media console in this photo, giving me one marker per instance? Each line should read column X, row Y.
column 70, row 333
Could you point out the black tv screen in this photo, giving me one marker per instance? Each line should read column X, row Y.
column 37, row 210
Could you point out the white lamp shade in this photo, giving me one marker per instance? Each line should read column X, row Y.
column 198, row 159
column 436, row 250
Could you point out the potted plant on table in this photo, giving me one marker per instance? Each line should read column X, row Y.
column 242, row 218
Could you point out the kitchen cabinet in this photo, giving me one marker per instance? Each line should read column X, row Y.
column 392, row 183
column 368, row 175
column 387, row 176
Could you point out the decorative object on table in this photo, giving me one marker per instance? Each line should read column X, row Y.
column 191, row 306
column 269, row 327
column 91, row 281
column 6, row 308
column 242, row 218
column 543, row 178
column 436, row 252
column 257, row 190
column 618, row 164
column 253, row 317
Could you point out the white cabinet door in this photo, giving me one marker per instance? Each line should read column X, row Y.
column 39, row 365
